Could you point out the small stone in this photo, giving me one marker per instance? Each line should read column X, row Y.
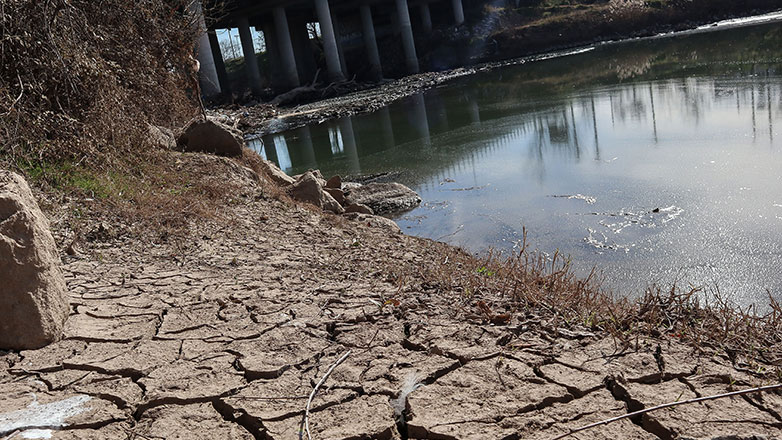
column 338, row 195
column 275, row 174
column 384, row 197
column 361, row 209
column 334, row 182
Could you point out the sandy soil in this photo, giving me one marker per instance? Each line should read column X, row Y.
column 224, row 334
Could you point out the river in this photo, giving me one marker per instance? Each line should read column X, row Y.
column 657, row 161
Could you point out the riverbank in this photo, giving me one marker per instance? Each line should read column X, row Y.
column 224, row 330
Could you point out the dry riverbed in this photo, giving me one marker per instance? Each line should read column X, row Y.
column 224, row 332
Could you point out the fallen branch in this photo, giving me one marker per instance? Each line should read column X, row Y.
column 669, row 405
column 312, row 395
column 21, row 93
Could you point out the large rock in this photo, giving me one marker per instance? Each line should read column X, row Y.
column 309, row 188
column 211, row 136
column 382, row 197
column 33, row 298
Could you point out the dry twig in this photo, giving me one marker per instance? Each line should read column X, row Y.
column 669, row 405
column 315, row 390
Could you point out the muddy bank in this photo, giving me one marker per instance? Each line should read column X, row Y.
column 225, row 331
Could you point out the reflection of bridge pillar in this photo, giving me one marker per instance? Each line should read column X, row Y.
column 458, row 12
column 308, row 150
column 426, row 17
column 349, row 142
column 268, row 148
column 329, row 41
column 419, row 116
column 386, row 127
column 217, row 56
column 250, row 61
column 408, row 43
column 287, row 57
column 207, row 74
column 370, row 42
column 475, row 111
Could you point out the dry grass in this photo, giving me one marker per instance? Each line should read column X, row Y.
column 496, row 288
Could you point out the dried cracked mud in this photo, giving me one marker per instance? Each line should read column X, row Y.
column 224, row 337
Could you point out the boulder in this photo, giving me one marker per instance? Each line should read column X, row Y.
column 338, row 195
column 211, row 136
column 308, row 188
column 33, row 297
column 361, row 209
column 160, row 137
column 275, row 174
column 383, row 197
column 334, row 182
column 375, row 221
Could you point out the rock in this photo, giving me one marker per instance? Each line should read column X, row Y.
column 211, row 136
column 338, row 195
column 334, row 182
column 359, row 208
column 330, row 204
column 160, row 137
column 375, row 221
column 384, row 197
column 33, row 298
column 275, row 174
column 308, row 188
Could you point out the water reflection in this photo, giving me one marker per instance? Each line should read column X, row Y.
column 654, row 160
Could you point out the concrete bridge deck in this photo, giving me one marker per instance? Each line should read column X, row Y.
column 344, row 25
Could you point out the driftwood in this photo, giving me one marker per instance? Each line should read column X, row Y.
column 669, row 405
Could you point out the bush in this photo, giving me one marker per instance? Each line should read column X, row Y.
column 80, row 79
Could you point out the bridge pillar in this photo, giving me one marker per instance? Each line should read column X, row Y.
column 250, row 61
column 426, row 17
column 458, row 12
column 207, row 73
column 370, row 42
column 329, row 41
column 408, row 43
column 285, row 47
column 217, row 55
column 305, row 58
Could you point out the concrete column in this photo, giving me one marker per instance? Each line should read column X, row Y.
column 250, row 61
column 285, row 47
column 207, row 73
column 408, row 43
column 329, row 41
column 217, row 55
column 275, row 74
column 305, row 58
column 458, row 12
column 370, row 42
column 337, row 34
column 426, row 17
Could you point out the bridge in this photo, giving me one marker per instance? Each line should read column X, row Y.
column 355, row 26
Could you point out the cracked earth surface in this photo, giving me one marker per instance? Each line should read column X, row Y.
column 225, row 337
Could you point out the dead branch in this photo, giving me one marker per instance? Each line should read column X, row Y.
column 669, row 405
column 315, row 390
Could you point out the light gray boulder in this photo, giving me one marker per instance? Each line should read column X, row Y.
column 33, row 297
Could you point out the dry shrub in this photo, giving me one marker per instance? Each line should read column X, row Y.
column 80, row 79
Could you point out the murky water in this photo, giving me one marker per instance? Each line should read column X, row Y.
column 655, row 161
